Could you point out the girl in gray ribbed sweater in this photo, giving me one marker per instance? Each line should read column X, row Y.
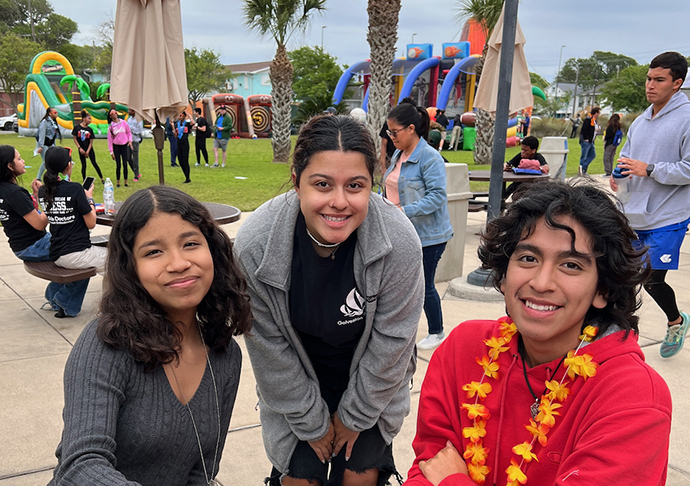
column 150, row 385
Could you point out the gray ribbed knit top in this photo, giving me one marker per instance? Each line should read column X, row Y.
column 123, row 426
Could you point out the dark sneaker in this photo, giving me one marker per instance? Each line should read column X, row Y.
column 675, row 337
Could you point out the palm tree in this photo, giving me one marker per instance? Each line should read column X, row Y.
column 280, row 19
column 486, row 13
column 382, row 36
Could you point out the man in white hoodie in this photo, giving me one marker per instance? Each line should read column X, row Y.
column 656, row 156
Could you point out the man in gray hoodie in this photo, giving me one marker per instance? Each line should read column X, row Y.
column 656, row 157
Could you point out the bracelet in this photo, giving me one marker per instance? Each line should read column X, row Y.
column 91, row 201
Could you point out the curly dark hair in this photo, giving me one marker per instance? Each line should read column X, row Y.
column 130, row 319
column 621, row 268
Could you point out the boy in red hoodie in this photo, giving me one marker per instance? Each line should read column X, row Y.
column 558, row 392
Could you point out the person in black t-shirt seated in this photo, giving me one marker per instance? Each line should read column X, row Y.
column 72, row 213
column 526, row 160
column 336, row 284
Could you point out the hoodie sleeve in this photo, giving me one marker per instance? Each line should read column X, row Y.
column 675, row 172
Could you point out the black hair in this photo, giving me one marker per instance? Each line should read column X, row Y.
column 197, row 110
column 332, row 132
column 84, row 114
column 406, row 114
column 48, row 110
column 46, row 116
column 621, row 268
column 109, row 119
column 673, row 61
column 531, row 142
column 57, row 160
column 6, row 159
column 130, row 319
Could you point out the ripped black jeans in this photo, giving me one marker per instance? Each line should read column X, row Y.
column 369, row 452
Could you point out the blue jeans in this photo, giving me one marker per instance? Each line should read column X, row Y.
column 69, row 296
column 587, row 156
column 173, row 148
column 432, row 302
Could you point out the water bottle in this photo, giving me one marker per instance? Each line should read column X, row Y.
column 109, row 197
column 623, row 182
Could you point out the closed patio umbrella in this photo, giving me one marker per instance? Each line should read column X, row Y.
column 521, row 88
column 148, row 68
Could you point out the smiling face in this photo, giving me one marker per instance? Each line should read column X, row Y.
column 660, row 86
column 549, row 288
column 174, row 264
column 334, row 192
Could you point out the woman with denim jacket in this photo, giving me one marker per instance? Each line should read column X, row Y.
column 416, row 182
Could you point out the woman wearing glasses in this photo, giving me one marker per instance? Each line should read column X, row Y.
column 71, row 212
column 415, row 181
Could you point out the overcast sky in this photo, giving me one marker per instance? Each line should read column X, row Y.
column 636, row 28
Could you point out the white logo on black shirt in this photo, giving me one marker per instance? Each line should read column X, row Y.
column 353, row 308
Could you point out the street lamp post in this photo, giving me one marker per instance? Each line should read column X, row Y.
column 560, row 56
column 413, row 37
column 322, row 27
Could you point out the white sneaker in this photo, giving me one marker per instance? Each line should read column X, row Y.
column 222, row 165
column 207, row 165
column 197, row 164
column 431, row 341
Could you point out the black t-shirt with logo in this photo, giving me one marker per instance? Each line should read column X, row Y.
column 327, row 310
column 15, row 203
column 68, row 229
column 84, row 136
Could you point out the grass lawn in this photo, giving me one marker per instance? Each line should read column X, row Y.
column 249, row 159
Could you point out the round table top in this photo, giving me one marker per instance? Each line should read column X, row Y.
column 221, row 213
column 485, row 176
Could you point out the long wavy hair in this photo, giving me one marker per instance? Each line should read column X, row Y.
column 621, row 268
column 57, row 160
column 613, row 125
column 130, row 319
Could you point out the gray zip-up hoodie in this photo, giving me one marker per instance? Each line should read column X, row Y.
column 388, row 270
column 663, row 198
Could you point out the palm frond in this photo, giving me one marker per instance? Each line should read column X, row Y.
column 486, row 12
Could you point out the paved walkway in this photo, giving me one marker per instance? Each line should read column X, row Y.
column 34, row 347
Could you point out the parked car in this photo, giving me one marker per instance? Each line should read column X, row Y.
column 7, row 122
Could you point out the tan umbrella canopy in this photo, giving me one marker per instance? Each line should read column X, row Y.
column 521, row 88
column 148, row 70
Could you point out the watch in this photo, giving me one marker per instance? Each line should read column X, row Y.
column 650, row 168
column 91, row 201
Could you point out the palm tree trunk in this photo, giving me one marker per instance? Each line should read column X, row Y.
column 382, row 36
column 281, row 81
column 484, row 141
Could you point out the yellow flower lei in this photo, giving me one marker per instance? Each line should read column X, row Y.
column 475, row 452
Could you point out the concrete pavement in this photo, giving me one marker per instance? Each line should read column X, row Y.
column 34, row 346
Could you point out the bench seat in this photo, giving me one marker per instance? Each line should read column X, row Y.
column 50, row 271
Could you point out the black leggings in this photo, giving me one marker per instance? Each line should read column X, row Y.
column 92, row 157
column 663, row 294
column 183, row 156
column 121, row 157
column 200, row 146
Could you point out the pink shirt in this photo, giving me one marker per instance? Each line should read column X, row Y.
column 392, row 193
column 118, row 134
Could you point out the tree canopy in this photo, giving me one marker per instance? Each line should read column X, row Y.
column 205, row 73
column 15, row 57
column 597, row 69
column 50, row 29
column 315, row 72
column 627, row 90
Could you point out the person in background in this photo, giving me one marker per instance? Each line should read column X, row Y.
column 656, row 157
column 335, row 282
column 223, row 129
column 456, row 134
column 556, row 392
column 416, row 183
column 170, row 133
column 330, row 111
column 48, row 131
column 83, row 139
column 150, row 384
column 442, row 120
column 528, row 158
column 203, row 131
column 137, row 129
column 119, row 143
column 387, row 148
column 612, row 139
column 71, row 211
column 182, row 128
column 587, row 136
column 576, row 124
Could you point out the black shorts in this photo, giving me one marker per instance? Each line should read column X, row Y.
column 369, row 452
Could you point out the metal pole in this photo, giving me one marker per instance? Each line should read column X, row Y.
column 322, row 27
column 577, row 78
column 502, row 107
column 413, row 37
column 560, row 56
